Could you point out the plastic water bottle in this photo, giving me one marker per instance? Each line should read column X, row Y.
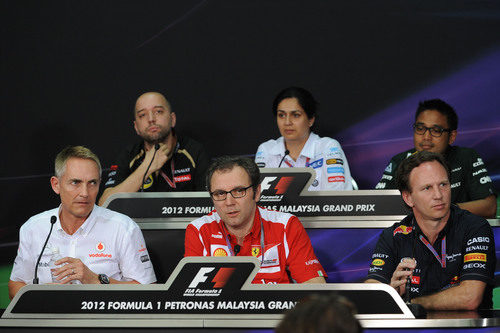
column 52, row 263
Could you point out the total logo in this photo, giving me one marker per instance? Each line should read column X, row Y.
column 200, row 287
column 273, row 188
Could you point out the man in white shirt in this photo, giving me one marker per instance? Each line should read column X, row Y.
column 97, row 244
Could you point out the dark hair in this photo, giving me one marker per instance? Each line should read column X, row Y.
column 304, row 97
column 442, row 107
column 227, row 163
column 405, row 168
column 329, row 313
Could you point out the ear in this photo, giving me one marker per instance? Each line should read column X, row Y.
column 407, row 198
column 173, row 118
column 135, row 127
column 54, row 182
column 452, row 137
column 311, row 121
column 257, row 194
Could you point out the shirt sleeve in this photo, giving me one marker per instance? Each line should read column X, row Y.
column 261, row 157
column 478, row 180
column 479, row 258
column 301, row 261
column 118, row 171
column 202, row 163
column 135, row 262
column 388, row 180
column 193, row 245
column 23, row 269
column 337, row 175
column 384, row 258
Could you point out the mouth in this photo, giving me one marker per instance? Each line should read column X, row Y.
column 439, row 206
column 153, row 129
column 233, row 213
column 426, row 146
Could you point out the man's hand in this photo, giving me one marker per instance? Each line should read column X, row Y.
column 74, row 269
column 161, row 157
column 400, row 275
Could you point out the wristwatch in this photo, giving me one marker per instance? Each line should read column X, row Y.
column 103, row 279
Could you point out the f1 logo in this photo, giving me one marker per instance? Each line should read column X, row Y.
column 220, row 279
column 280, row 187
column 201, row 276
column 266, row 183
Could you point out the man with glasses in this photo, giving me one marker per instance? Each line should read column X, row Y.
column 435, row 130
column 238, row 226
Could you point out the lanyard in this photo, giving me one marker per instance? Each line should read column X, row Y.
column 262, row 246
column 164, row 175
column 442, row 260
column 291, row 165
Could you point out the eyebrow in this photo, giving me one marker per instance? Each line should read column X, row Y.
column 154, row 107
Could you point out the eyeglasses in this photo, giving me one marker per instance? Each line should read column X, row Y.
column 236, row 193
column 435, row 131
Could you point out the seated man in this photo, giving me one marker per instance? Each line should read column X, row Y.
column 448, row 253
column 238, row 226
column 179, row 162
column 435, row 129
column 98, row 245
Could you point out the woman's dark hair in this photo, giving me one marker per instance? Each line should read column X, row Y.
column 304, row 97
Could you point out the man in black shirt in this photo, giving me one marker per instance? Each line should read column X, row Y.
column 435, row 129
column 447, row 253
column 179, row 163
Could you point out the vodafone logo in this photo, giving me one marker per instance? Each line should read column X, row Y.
column 100, row 247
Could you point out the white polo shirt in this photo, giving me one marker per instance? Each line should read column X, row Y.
column 324, row 155
column 107, row 243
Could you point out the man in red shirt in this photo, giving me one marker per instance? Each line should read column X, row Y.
column 238, row 226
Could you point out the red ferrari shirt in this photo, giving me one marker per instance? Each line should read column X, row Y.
column 288, row 254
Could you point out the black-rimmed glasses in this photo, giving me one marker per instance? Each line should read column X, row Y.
column 435, row 131
column 239, row 192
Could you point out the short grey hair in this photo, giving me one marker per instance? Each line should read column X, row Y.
column 76, row 152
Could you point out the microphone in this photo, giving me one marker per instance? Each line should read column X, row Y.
column 157, row 146
column 237, row 249
column 286, row 153
column 53, row 220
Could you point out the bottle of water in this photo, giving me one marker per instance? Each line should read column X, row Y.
column 52, row 263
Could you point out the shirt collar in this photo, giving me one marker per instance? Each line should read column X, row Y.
column 85, row 227
column 307, row 150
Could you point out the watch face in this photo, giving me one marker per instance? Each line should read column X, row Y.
column 103, row 278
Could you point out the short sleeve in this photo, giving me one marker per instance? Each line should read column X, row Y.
column 118, row 171
column 193, row 246
column 480, row 185
column 384, row 258
column 23, row 269
column 388, row 180
column 337, row 175
column 301, row 260
column 135, row 262
column 479, row 257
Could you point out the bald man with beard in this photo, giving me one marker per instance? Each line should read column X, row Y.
column 179, row 164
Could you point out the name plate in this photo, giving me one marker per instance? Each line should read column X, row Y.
column 284, row 190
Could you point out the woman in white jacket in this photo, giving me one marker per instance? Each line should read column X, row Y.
column 295, row 111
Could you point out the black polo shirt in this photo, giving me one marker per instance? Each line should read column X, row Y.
column 469, row 178
column 470, row 254
column 185, row 171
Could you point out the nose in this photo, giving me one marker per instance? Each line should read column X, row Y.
column 427, row 134
column 84, row 191
column 288, row 120
column 229, row 201
column 151, row 116
column 437, row 192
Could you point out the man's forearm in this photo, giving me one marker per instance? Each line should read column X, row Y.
column 14, row 287
column 466, row 296
column 131, row 184
column 317, row 279
column 486, row 207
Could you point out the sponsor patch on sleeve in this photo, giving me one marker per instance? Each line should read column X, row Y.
column 378, row 262
column 474, row 257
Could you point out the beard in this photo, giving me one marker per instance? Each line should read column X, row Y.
column 155, row 138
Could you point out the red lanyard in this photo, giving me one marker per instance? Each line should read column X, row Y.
column 170, row 182
column 442, row 260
